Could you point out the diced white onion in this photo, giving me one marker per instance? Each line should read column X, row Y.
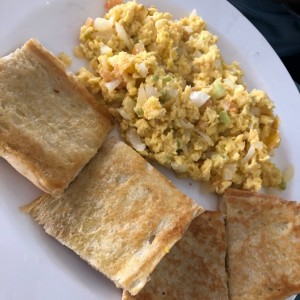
column 229, row 83
column 112, row 85
column 135, row 139
column 289, row 173
column 258, row 145
column 249, row 155
column 103, row 25
column 142, row 97
column 151, row 91
column 105, row 50
column 179, row 167
column 142, row 69
column 123, row 113
column 186, row 125
column 188, row 29
column 229, row 171
column 173, row 92
column 206, row 137
column 137, row 48
column 123, row 35
column 193, row 13
column 199, row 98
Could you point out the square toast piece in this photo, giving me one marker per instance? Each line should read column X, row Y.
column 50, row 126
column 120, row 215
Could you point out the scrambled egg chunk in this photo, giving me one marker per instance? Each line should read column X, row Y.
column 177, row 101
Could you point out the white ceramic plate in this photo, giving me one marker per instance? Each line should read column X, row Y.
column 33, row 265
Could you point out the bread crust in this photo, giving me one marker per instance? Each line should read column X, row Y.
column 24, row 167
column 39, row 123
column 110, row 211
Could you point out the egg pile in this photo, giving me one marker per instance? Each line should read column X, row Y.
column 176, row 100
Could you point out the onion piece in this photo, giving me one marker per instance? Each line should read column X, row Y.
column 142, row 69
column 206, row 137
column 142, row 96
column 137, row 48
column 135, row 140
column 105, row 50
column 123, row 35
column 123, row 114
column 193, row 13
column 112, row 85
column 229, row 171
column 151, row 91
column 248, row 155
column 103, row 25
column 229, row 83
column 186, row 125
column 188, row 29
column 199, row 98
column 289, row 174
column 258, row 145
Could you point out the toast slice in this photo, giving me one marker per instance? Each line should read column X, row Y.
column 50, row 126
column 195, row 267
column 120, row 215
column 263, row 236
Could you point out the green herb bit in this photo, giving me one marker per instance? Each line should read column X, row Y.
column 155, row 78
column 224, row 118
column 167, row 78
column 139, row 112
column 164, row 97
column 218, row 90
column 282, row 184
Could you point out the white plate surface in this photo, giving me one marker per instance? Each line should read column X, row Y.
column 33, row 265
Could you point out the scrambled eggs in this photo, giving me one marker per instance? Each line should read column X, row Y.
column 177, row 101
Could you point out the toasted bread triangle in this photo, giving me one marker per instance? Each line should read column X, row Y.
column 263, row 236
column 195, row 266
